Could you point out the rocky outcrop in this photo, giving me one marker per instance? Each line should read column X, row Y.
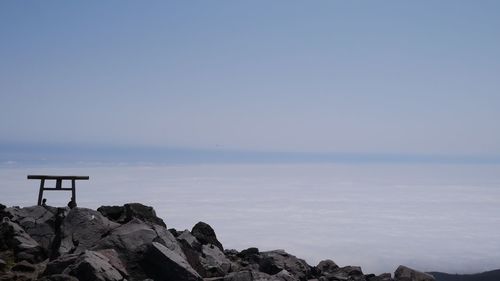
column 94, row 266
column 127, row 212
column 164, row 264
column 130, row 242
column 206, row 235
column 13, row 237
column 273, row 262
column 404, row 273
column 82, row 229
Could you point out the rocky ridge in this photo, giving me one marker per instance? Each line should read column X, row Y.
column 131, row 243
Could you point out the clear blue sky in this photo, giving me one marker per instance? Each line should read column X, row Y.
column 414, row 77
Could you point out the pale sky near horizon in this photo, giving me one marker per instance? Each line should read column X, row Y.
column 316, row 76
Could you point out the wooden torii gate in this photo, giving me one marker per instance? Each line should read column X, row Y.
column 58, row 186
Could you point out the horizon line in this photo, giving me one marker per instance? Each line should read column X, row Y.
column 47, row 153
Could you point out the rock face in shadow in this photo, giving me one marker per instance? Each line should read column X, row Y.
column 82, row 229
column 130, row 242
column 273, row 262
column 127, row 212
column 164, row 264
column 206, row 235
column 14, row 238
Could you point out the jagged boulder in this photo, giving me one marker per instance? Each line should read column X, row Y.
column 247, row 259
column 404, row 273
column 214, row 262
column 82, row 229
column 208, row 260
column 161, row 263
column 93, row 266
column 125, row 213
column 3, row 212
column 130, row 241
column 272, row 262
column 3, row 264
column 326, row 266
column 348, row 273
column 114, row 260
column 22, row 271
column 58, row 277
column 205, row 234
column 37, row 221
column 13, row 237
column 381, row 277
column 191, row 248
column 59, row 265
column 254, row 275
column 88, row 265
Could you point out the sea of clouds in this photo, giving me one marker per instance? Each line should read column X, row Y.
column 431, row 217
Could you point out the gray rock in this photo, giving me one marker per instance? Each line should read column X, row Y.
column 404, row 273
column 82, row 229
column 385, row 277
column 253, row 275
column 3, row 264
column 37, row 221
column 167, row 239
column 285, row 276
column 23, row 266
column 273, row 262
column 13, row 237
column 161, row 263
column 250, row 254
column 214, row 262
column 188, row 239
column 114, row 260
column 326, row 266
column 130, row 241
column 348, row 273
column 205, row 234
column 60, row 265
column 191, row 248
column 93, row 266
column 125, row 213
column 58, row 277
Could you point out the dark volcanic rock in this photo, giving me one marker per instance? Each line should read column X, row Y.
column 131, row 240
column 59, row 265
column 114, row 260
column 206, row 235
column 214, row 262
column 13, row 237
column 273, row 262
column 3, row 264
column 82, row 229
column 58, row 277
column 93, row 266
column 381, row 277
column 3, row 213
column 162, row 263
column 250, row 254
column 208, row 260
column 326, row 266
column 37, row 221
column 348, row 273
column 125, row 213
column 254, row 275
column 89, row 265
column 23, row 266
column 404, row 273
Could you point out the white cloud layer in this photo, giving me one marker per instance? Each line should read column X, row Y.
column 432, row 217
